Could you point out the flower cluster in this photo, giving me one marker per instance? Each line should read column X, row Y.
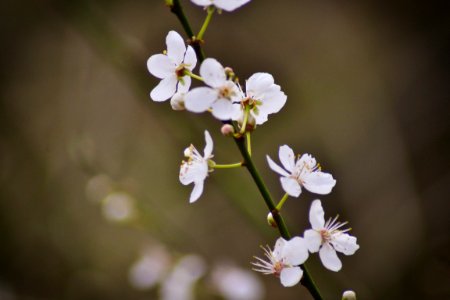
column 241, row 110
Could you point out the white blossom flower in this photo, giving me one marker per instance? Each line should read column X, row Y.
column 228, row 5
column 263, row 96
column 304, row 172
column 170, row 68
column 219, row 96
column 283, row 261
column 328, row 237
column 195, row 169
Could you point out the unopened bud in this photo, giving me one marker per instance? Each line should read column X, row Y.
column 271, row 220
column 227, row 130
column 177, row 101
column 349, row 295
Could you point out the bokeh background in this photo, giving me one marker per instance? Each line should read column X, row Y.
column 91, row 206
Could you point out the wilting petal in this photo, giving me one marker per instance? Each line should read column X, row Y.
column 223, row 109
column 313, row 240
column 209, row 145
column 290, row 276
column 197, row 191
column 317, row 215
column 295, row 251
column 319, row 182
column 190, row 59
column 213, row 73
column 276, row 167
column 165, row 89
column 175, row 47
column 291, row 186
column 229, row 5
column 200, row 99
column 345, row 243
column 329, row 258
column 287, row 158
column 160, row 66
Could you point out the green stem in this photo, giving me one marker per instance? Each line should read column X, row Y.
column 228, row 166
column 208, row 18
column 177, row 9
column 280, row 204
column 249, row 143
column 190, row 74
column 244, row 123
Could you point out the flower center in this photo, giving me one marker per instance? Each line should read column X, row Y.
column 226, row 92
column 278, row 267
column 179, row 71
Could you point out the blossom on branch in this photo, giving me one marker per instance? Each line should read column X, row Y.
column 262, row 97
column 304, row 172
column 228, row 5
column 170, row 68
column 328, row 237
column 283, row 261
column 219, row 96
column 196, row 168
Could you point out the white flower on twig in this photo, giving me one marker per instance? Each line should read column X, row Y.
column 304, row 172
column 196, row 168
column 283, row 261
column 328, row 237
column 170, row 68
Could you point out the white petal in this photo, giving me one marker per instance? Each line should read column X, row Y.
column 345, row 243
column 177, row 101
column 197, row 191
column 329, row 258
column 209, row 145
column 313, row 240
column 291, row 186
column 317, row 215
column 184, row 84
column 258, row 83
column 319, row 182
column 229, row 5
column 278, row 249
column 190, row 59
column 287, row 158
column 193, row 172
column 291, row 276
column 213, row 73
column 223, row 109
column 165, row 89
column 202, row 2
column 276, row 167
column 295, row 251
column 160, row 66
column 175, row 47
column 272, row 102
column 200, row 99
column 260, row 118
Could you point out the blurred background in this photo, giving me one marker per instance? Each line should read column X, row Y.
column 90, row 202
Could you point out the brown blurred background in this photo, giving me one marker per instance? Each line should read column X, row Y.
column 89, row 164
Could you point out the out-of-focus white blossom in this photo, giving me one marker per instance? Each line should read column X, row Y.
column 118, row 207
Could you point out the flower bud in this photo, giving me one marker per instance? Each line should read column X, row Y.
column 349, row 295
column 227, row 129
column 271, row 220
column 177, row 101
